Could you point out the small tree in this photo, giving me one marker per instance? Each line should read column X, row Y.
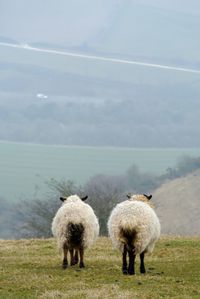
column 187, row 165
column 140, row 182
column 63, row 188
column 36, row 215
column 103, row 193
column 7, row 219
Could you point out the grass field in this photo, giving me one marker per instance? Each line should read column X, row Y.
column 26, row 167
column 32, row 269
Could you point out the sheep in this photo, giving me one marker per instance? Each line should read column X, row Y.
column 76, row 227
column 134, row 228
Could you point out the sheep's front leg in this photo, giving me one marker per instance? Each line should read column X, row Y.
column 81, row 252
column 65, row 251
column 142, row 267
column 73, row 257
column 131, row 266
column 124, row 261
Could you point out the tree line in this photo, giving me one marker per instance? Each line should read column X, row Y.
column 32, row 217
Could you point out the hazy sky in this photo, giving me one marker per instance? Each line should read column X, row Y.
column 72, row 22
column 53, row 21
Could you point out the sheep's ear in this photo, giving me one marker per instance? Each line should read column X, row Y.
column 84, row 198
column 62, row 199
column 128, row 195
column 148, row 196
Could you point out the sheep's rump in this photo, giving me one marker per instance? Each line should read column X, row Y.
column 75, row 223
column 127, row 236
column 134, row 223
column 75, row 235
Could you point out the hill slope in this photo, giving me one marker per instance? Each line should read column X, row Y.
column 178, row 205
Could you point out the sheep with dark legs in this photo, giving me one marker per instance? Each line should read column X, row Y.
column 76, row 228
column 134, row 228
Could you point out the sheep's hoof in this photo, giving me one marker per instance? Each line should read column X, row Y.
column 81, row 265
column 131, row 272
column 124, row 271
column 142, row 270
column 75, row 260
column 64, row 266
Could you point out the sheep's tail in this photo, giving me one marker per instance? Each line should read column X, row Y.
column 75, row 231
column 127, row 237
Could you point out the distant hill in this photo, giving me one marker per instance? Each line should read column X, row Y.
column 4, row 39
column 178, row 205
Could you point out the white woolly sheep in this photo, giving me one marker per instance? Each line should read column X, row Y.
column 75, row 227
column 134, row 228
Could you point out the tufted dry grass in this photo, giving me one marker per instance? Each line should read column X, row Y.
column 32, row 269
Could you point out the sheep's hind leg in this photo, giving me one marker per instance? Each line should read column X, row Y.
column 81, row 252
column 71, row 251
column 142, row 267
column 131, row 266
column 76, row 257
column 124, row 261
column 65, row 262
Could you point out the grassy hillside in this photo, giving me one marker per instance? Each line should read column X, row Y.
column 32, row 269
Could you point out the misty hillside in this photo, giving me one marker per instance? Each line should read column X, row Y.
column 178, row 205
column 89, row 111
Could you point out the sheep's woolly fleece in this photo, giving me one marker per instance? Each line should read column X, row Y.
column 74, row 210
column 134, row 215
